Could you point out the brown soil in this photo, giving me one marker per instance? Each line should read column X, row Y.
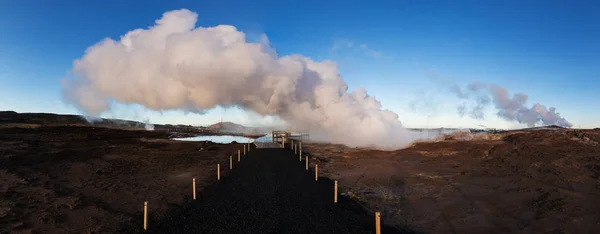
column 82, row 179
column 528, row 181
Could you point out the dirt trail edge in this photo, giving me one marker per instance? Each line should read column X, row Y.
column 269, row 192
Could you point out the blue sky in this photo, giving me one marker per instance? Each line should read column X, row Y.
column 549, row 50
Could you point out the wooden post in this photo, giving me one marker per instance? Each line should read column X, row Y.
column 230, row 162
column 238, row 155
column 283, row 142
column 335, row 192
column 194, row 187
column 295, row 148
column 377, row 223
column 145, row 215
column 244, row 149
column 316, row 172
column 300, row 154
column 218, row 172
column 248, row 145
column 307, row 163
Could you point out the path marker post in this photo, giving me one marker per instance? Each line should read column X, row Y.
column 335, row 191
column 194, row 187
column 306, row 163
column 238, row 155
column 295, row 148
column 316, row 172
column 301, row 151
column 248, row 145
column 377, row 223
column 230, row 162
column 218, row 172
column 145, row 215
column 244, row 149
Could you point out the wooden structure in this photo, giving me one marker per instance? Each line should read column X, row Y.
column 280, row 136
column 288, row 136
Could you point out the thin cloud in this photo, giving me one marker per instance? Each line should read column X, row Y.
column 342, row 44
column 369, row 51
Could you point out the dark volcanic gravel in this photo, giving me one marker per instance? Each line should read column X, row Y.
column 269, row 192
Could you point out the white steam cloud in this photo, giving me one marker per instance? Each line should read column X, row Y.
column 511, row 109
column 174, row 65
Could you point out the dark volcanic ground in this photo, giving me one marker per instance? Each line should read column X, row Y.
column 62, row 179
column 524, row 181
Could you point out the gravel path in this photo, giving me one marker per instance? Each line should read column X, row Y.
column 270, row 192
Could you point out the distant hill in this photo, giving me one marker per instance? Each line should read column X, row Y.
column 554, row 127
column 229, row 127
column 14, row 119
column 41, row 119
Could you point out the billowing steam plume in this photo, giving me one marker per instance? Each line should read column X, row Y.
column 173, row 65
column 511, row 109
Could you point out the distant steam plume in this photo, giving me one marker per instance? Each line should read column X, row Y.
column 511, row 109
column 174, row 65
column 149, row 127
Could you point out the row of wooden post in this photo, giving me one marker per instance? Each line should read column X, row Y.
column 194, row 181
column 295, row 147
column 335, row 182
